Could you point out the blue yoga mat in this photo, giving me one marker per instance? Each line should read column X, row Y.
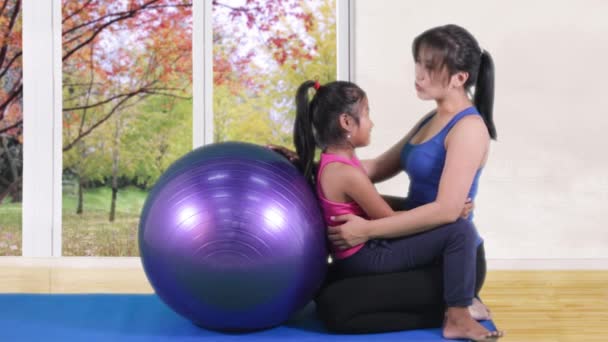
column 105, row 317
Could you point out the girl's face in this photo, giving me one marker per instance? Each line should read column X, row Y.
column 361, row 134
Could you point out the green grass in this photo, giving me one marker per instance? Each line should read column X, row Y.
column 129, row 200
column 92, row 234
column 89, row 234
column 10, row 229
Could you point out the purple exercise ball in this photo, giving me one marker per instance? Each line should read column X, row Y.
column 231, row 237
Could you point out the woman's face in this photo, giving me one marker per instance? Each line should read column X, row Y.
column 430, row 84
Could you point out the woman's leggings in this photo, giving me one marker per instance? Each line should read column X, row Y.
column 454, row 244
column 388, row 302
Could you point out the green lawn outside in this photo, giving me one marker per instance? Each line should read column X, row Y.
column 10, row 229
column 89, row 234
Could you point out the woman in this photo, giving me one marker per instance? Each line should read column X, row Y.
column 443, row 155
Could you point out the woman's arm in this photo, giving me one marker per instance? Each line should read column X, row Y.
column 347, row 183
column 396, row 203
column 466, row 145
column 387, row 165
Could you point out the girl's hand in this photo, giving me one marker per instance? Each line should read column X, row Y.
column 284, row 151
column 351, row 233
column 468, row 207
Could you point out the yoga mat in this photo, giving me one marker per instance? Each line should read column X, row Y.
column 125, row 317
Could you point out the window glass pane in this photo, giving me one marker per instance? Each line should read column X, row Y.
column 11, row 128
column 262, row 51
column 127, row 114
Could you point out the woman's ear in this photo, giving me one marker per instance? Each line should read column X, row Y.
column 459, row 79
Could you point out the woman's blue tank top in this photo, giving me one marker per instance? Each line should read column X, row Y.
column 424, row 163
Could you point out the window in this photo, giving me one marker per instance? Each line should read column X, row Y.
column 127, row 115
column 130, row 88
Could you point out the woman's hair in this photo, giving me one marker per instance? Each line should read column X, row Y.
column 318, row 121
column 454, row 48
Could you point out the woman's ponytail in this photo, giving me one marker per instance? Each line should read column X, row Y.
column 484, row 92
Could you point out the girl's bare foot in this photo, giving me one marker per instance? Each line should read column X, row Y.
column 479, row 311
column 459, row 324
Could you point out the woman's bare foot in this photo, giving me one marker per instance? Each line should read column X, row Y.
column 459, row 324
column 479, row 311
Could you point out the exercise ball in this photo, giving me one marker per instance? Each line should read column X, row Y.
column 232, row 238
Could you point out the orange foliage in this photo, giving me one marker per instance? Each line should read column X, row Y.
column 117, row 52
column 11, row 117
column 266, row 18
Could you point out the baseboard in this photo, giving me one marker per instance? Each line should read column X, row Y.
column 548, row 264
column 72, row 262
column 135, row 263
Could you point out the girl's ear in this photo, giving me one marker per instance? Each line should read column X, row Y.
column 346, row 122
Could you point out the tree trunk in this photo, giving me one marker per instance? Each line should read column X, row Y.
column 80, row 170
column 13, row 190
column 113, row 205
column 115, row 164
column 80, row 206
column 17, row 191
column 14, row 187
column 114, row 185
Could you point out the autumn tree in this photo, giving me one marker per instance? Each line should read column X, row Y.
column 262, row 51
column 158, row 30
column 11, row 120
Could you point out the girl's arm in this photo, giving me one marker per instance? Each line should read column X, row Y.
column 466, row 145
column 387, row 165
column 342, row 182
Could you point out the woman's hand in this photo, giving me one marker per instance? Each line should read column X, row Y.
column 351, row 233
column 468, row 207
column 284, row 151
column 354, row 229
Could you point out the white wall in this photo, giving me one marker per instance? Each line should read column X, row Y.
column 544, row 192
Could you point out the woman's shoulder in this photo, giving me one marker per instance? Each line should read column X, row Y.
column 471, row 122
column 469, row 127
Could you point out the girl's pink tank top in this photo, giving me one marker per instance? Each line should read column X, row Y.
column 331, row 208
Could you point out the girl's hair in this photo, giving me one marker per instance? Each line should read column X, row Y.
column 317, row 121
column 453, row 47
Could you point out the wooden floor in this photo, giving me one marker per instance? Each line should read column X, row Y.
column 528, row 305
